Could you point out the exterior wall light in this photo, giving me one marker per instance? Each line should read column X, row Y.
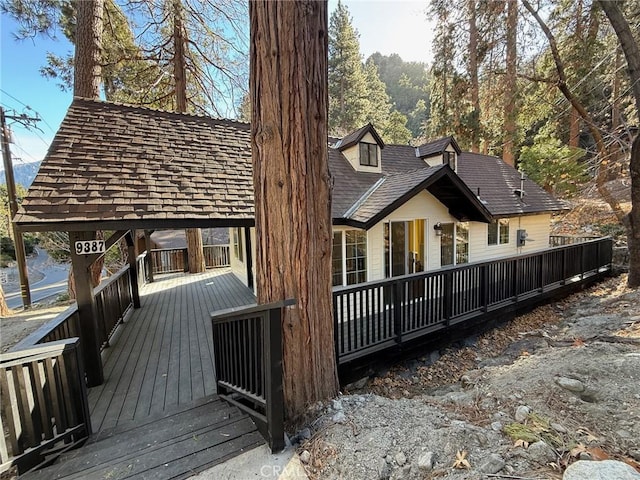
column 438, row 228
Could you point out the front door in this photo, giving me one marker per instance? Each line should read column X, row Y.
column 404, row 247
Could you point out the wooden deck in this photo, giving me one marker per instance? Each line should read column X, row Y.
column 157, row 414
column 163, row 357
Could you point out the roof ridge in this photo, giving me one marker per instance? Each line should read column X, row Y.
column 364, row 197
column 156, row 110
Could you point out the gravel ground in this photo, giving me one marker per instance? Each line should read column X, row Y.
column 552, row 387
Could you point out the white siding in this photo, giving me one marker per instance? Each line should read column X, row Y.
column 537, row 228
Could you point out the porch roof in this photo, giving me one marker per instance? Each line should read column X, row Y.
column 117, row 166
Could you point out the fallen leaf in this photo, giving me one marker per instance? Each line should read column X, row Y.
column 521, row 443
column 577, row 450
column 578, row 342
column 597, row 453
column 461, row 460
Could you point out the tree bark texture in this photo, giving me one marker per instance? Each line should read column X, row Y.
column 5, row 311
column 510, row 95
column 631, row 52
column 288, row 86
column 88, row 54
column 179, row 67
column 195, row 252
column 473, row 74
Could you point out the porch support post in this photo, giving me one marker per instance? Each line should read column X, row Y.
column 88, row 323
column 147, row 246
column 247, row 241
column 133, row 268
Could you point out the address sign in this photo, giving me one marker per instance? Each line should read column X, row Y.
column 87, row 247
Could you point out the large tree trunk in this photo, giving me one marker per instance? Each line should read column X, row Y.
column 88, row 55
column 288, row 85
column 510, row 111
column 195, row 252
column 87, row 76
column 473, row 74
column 632, row 55
column 5, row 311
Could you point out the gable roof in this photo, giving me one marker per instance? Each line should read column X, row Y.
column 356, row 136
column 110, row 163
column 392, row 191
column 436, row 147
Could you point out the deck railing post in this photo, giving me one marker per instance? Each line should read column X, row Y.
column 448, row 296
column 484, row 279
column 273, row 374
column 336, row 336
column 397, row 310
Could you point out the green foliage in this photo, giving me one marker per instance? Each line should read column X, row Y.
column 357, row 95
column 554, row 166
column 8, row 249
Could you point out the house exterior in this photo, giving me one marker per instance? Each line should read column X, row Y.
column 400, row 210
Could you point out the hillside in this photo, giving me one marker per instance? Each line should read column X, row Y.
column 558, row 386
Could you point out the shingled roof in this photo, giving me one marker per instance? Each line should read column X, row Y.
column 114, row 166
column 498, row 185
column 112, row 163
column 436, row 147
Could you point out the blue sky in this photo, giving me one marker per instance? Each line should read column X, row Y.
column 385, row 26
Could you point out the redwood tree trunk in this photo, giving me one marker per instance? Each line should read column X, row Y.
column 510, row 97
column 288, row 85
column 5, row 311
column 473, row 74
column 88, row 54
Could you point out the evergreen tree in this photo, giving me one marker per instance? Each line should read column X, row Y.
column 348, row 92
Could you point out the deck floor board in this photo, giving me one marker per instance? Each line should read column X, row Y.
column 163, row 357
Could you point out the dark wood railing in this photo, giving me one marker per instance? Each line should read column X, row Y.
column 114, row 303
column 374, row 316
column 44, row 409
column 562, row 240
column 170, row 260
column 247, row 343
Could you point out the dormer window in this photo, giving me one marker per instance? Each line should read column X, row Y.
column 449, row 158
column 369, row 154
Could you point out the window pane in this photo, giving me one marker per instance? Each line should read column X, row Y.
column 356, row 256
column 336, row 256
column 446, row 244
column 492, row 233
column 462, row 242
column 504, row 231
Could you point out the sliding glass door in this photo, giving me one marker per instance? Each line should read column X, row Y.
column 404, row 244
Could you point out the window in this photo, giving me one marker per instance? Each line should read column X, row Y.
column 349, row 257
column 369, row 154
column 336, row 259
column 454, row 244
column 449, row 158
column 462, row 243
column 498, row 232
column 237, row 245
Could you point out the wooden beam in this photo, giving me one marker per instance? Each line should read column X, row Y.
column 140, row 224
column 147, row 243
column 88, row 323
column 247, row 241
column 133, row 269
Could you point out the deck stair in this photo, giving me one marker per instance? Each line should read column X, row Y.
column 172, row 445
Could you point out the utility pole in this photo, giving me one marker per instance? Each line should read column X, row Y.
column 21, row 257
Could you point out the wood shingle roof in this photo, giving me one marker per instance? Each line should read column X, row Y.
column 110, row 163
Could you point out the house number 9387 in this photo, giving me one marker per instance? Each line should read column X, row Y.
column 87, row 247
